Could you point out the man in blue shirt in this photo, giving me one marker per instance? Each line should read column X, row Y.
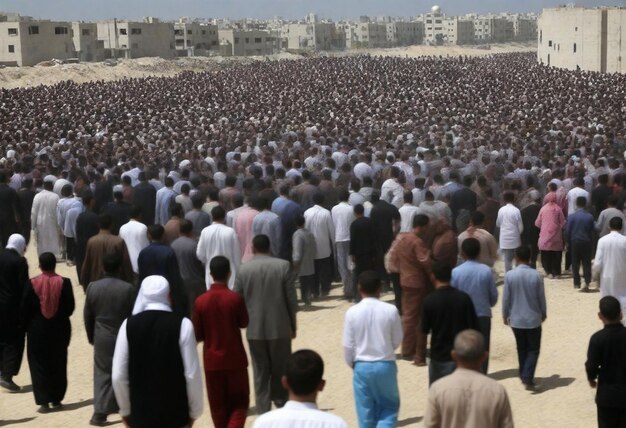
column 524, row 309
column 476, row 279
column 580, row 230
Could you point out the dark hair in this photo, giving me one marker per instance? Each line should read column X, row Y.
column 581, row 201
column 197, row 201
column 408, row 197
column 155, row 232
column 471, row 248
column 508, row 197
column 442, row 271
column 185, row 227
column 420, row 220
column 261, row 243
column 87, row 197
column 616, row 223
column 112, row 262
column 318, row 198
column 477, row 218
column 169, row 181
column 359, row 209
column 369, row 282
column 343, row 193
column 105, row 221
column 218, row 213
column 219, row 266
column 523, row 253
column 176, row 209
column 47, row 262
column 304, row 371
column 135, row 211
column 610, row 308
column 185, row 188
column 230, row 181
column 299, row 220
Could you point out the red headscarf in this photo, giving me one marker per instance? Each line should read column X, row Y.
column 48, row 288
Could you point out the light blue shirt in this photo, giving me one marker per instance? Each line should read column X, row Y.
column 524, row 298
column 476, row 280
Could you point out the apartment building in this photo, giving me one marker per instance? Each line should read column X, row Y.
column 236, row 42
column 194, row 38
column 128, row 39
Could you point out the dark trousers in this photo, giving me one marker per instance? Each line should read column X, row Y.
column 528, row 342
column 307, row 284
column 611, row 417
column 70, row 248
column 229, row 397
column 268, row 363
column 11, row 354
column 484, row 326
column 581, row 254
column 324, row 271
column 361, row 264
column 551, row 261
column 439, row 369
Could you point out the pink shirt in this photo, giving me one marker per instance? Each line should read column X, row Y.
column 243, row 229
column 550, row 222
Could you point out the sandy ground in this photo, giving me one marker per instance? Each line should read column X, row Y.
column 143, row 67
column 563, row 400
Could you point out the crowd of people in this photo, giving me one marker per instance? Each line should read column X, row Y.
column 191, row 207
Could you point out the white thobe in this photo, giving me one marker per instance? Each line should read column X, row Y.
column 392, row 192
column 319, row 222
column 219, row 240
column 511, row 227
column 135, row 235
column 43, row 219
column 407, row 212
column 343, row 216
column 610, row 264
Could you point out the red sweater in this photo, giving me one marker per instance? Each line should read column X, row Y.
column 218, row 316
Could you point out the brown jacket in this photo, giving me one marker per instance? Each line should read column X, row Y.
column 412, row 258
column 97, row 247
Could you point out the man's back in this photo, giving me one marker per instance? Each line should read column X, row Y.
column 523, row 297
column 267, row 286
column 301, row 415
column 108, row 303
column 362, row 237
column 606, row 359
column 468, row 399
column 476, row 279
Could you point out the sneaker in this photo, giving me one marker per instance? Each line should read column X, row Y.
column 9, row 385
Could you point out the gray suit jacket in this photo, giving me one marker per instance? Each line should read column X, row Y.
column 267, row 286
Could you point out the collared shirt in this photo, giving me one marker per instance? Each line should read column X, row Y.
column 407, row 212
column 304, row 251
column 191, row 364
column 299, row 415
column 319, row 222
column 511, row 226
column 524, row 298
column 412, row 258
column 468, row 399
column 372, row 331
column 268, row 223
column 343, row 216
column 135, row 235
column 476, row 279
column 580, row 227
column 488, row 244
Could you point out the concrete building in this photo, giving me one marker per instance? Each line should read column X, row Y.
column 434, row 31
column 87, row 47
column 459, row 31
column 26, row 42
column 587, row 39
column 309, row 36
column 194, row 38
column 370, row 34
column 234, row 42
column 524, row 28
column 400, row 33
column 492, row 29
column 126, row 39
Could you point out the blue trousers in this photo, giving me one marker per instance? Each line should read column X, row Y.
column 528, row 345
column 376, row 394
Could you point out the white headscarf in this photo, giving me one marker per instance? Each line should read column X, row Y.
column 18, row 243
column 155, row 290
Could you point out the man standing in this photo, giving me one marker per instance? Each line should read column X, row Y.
column 10, row 214
column 524, row 309
column 447, row 312
column 157, row 341
column 343, row 216
column 304, row 259
column 363, row 246
column 13, row 282
column 602, row 224
column 219, row 240
column 191, row 269
column 303, row 379
column 268, row 223
column 511, row 227
column 476, row 279
column 580, row 229
column 86, row 228
column 610, row 263
column 135, row 236
column 467, row 398
column 163, row 199
column 372, row 331
column 198, row 218
column 386, row 219
column 320, row 223
column 43, row 218
column 488, row 245
column 411, row 258
column 144, row 196
column 606, row 365
column 407, row 212
column 267, row 286
column 218, row 316
column 108, row 303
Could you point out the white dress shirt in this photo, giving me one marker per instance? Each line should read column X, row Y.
column 219, row 240
column 191, row 364
column 372, row 331
column 572, row 195
column 135, row 235
column 299, row 415
column 511, row 227
column 407, row 212
column 343, row 216
column 320, row 224
column 392, row 192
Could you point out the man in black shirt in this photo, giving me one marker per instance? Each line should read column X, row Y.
column 386, row 219
column 363, row 244
column 447, row 311
column 606, row 365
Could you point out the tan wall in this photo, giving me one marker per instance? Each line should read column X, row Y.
column 247, row 43
column 616, row 41
column 46, row 45
column 155, row 39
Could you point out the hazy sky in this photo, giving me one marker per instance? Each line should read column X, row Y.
column 335, row 9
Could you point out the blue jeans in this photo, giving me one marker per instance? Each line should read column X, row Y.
column 528, row 343
column 376, row 394
column 439, row 369
column 508, row 255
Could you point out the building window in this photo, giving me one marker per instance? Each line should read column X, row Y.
column 258, row 40
column 33, row 29
column 429, row 21
column 60, row 30
column 12, row 31
column 214, row 43
column 575, row 28
column 178, row 32
column 247, row 40
column 574, row 47
column 204, row 32
column 549, row 43
column 135, row 31
column 123, row 31
column 134, row 45
column 11, row 48
column 236, row 40
column 189, row 32
column 85, row 32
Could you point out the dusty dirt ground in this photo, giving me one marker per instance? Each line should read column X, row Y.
column 563, row 400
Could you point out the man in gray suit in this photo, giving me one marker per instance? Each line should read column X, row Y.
column 191, row 269
column 267, row 286
column 108, row 303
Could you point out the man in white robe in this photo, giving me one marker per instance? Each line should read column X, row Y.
column 610, row 263
column 44, row 218
column 135, row 236
column 219, row 240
